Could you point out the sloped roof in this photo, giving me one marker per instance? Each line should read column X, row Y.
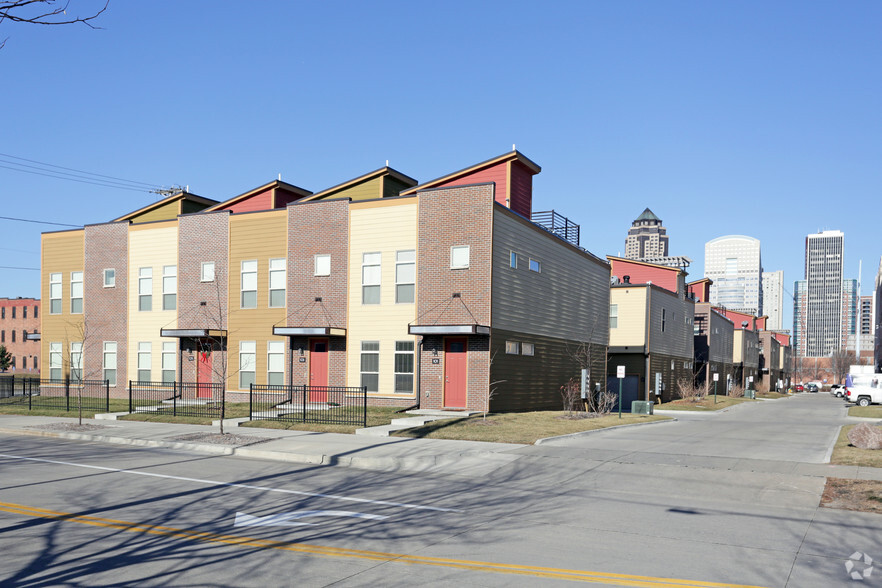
column 259, row 190
column 165, row 201
column 647, row 215
column 510, row 156
column 383, row 171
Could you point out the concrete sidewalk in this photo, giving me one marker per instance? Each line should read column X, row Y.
column 374, row 453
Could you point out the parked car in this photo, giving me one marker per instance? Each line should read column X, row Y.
column 799, row 388
column 837, row 390
column 811, row 387
column 864, row 395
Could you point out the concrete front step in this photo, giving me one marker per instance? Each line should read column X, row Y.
column 425, row 416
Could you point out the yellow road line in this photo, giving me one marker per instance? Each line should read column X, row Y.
column 326, row 551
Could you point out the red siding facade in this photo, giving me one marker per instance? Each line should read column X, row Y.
column 260, row 201
column 643, row 273
column 521, row 189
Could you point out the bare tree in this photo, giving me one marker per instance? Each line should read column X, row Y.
column 688, row 390
column 44, row 12
column 842, row 361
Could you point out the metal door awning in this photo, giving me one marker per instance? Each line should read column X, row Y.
column 309, row 331
column 437, row 329
column 193, row 333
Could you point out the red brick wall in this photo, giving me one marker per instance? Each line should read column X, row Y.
column 320, row 227
column 448, row 217
column 202, row 237
column 105, row 309
column 24, row 351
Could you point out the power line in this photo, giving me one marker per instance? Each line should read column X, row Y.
column 79, row 171
column 36, row 269
column 27, row 220
column 98, row 183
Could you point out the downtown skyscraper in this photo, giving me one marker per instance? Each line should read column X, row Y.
column 824, row 301
column 735, row 265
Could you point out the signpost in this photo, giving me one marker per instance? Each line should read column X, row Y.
column 620, row 374
column 716, row 379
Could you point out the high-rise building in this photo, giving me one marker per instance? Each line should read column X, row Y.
column 867, row 329
column 877, row 310
column 822, row 329
column 773, row 299
column 734, row 264
column 647, row 238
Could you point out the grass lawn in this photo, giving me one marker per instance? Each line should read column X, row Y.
column 519, row 427
column 873, row 412
column 705, row 404
column 376, row 416
column 116, row 405
column 770, row 395
column 845, row 454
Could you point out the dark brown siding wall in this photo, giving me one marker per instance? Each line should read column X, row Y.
column 320, row 227
column 449, row 217
column 202, row 237
column 524, row 382
column 635, row 363
column 105, row 309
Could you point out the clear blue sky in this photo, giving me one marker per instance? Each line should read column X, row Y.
column 754, row 118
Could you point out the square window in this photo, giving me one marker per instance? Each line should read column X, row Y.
column 527, row 349
column 207, row 274
column 459, row 257
column 322, row 264
column 109, row 278
column 512, row 347
column 535, row 266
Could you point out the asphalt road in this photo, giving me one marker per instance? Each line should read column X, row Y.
column 715, row 499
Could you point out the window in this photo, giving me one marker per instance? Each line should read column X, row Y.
column 322, row 263
column 24, row 335
column 109, row 278
column 370, row 365
column 275, row 363
column 76, row 293
column 76, row 361
column 613, row 316
column 3, row 312
column 527, row 349
column 13, row 335
column 24, row 362
column 144, row 360
column 207, row 274
column 2, row 336
column 54, row 293
column 145, row 288
column 249, row 284
column 513, row 261
column 55, row 361
column 535, row 266
column 168, row 362
column 459, row 257
column 169, row 287
column 24, row 312
column 370, row 278
column 13, row 312
column 247, row 362
column 35, row 362
column 404, row 367
column 109, row 362
column 277, row 283
column 36, row 312
column 405, row 276
column 512, row 347
column 663, row 319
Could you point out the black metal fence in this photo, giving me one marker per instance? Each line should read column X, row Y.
column 187, row 399
column 330, row 405
column 61, row 395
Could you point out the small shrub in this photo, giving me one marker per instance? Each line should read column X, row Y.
column 736, row 391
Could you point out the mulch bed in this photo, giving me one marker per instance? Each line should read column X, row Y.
column 860, row 495
column 218, row 439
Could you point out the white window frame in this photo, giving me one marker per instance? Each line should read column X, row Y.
column 528, row 349
column 405, row 260
column 145, row 289
column 513, row 259
column 109, row 277
column 168, row 367
column 277, row 275
column 402, row 352
column 108, row 361
column 248, row 283
column 460, row 256
column 368, row 350
column 145, row 358
column 371, row 276
column 55, row 294
column 206, row 271
column 56, row 364
column 76, row 292
column 321, row 264
column 613, row 316
column 275, row 362
column 535, row 266
column 512, row 348
column 76, row 361
column 169, row 287
column 247, row 363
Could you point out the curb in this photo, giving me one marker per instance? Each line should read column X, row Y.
column 584, row 433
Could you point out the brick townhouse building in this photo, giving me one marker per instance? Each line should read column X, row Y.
column 434, row 294
column 18, row 318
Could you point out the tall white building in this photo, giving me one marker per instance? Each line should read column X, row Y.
column 773, row 299
column 734, row 264
column 823, row 328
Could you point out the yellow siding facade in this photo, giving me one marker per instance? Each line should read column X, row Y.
column 153, row 246
column 260, row 236
column 62, row 253
column 737, row 345
column 386, row 228
column 631, row 306
column 165, row 212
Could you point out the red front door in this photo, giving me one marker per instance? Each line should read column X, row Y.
column 318, row 370
column 203, row 374
column 455, row 373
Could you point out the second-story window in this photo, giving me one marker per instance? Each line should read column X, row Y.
column 249, row 284
column 55, row 293
column 24, row 312
column 322, row 264
column 145, row 288
column 76, row 292
column 169, row 287
column 13, row 312
column 277, row 274
column 459, row 256
column 207, row 272
column 405, row 276
column 370, row 278
column 613, row 316
column 109, row 278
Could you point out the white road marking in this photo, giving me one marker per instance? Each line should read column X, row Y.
column 233, row 485
column 282, row 519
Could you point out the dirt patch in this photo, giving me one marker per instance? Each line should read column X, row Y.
column 71, row 427
column 860, row 495
column 218, row 439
